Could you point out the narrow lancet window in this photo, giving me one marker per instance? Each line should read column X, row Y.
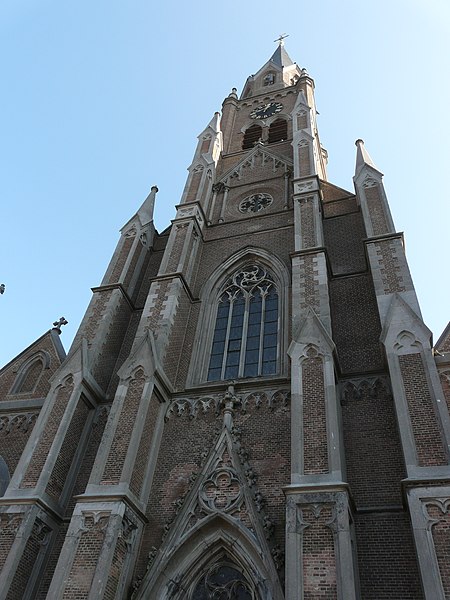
column 278, row 131
column 251, row 136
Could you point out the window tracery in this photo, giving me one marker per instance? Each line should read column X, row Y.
column 223, row 581
column 245, row 342
column 255, row 203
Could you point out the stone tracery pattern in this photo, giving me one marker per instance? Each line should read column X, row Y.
column 193, row 407
column 255, row 203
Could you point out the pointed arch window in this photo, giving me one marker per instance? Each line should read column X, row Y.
column 278, row 131
column 30, row 373
column 251, row 136
column 246, row 333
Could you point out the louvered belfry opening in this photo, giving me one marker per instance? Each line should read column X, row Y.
column 251, row 136
column 278, row 131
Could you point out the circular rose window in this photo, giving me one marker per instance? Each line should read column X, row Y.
column 255, row 203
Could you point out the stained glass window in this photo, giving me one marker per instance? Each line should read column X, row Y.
column 245, row 342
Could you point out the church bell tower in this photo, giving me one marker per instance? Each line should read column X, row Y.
column 251, row 408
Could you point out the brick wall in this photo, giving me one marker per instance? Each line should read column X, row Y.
column 85, row 562
column 48, row 435
column 338, row 207
column 356, row 324
column 344, row 237
column 440, row 531
column 93, row 442
column 121, row 259
column 15, row 429
column 319, row 558
column 304, row 161
column 115, row 572
column 68, row 449
column 308, row 231
column 118, row 451
column 9, row 525
column 111, row 342
column 373, row 452
column 142, row 457
column 150, row 272
column 376, row 210
column 46, row 574
column 424, row 421
column 388, row 566
column 394, row 278
column 315, row 447
column 24, row 570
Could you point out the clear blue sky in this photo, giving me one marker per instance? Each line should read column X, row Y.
column 101, row 99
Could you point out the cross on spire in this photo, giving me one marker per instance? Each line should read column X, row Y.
column 280, row 38
column 58, row 324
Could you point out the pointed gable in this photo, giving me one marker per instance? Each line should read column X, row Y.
column 28, row 374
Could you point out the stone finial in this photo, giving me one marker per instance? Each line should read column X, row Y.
column 233, row 93
column 2, row 288
column 58, row 324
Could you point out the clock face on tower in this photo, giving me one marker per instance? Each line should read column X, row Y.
column 266, row 110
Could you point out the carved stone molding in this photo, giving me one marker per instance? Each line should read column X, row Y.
column 17, row 422
column 369, row 182
column 317, row 513
column 436, row 510
column 41, row 532
column 192, row 407
column 10, row 522
column 356, row 389
column 96, row 519
column 128, row 529
column 131, row 233
column 407, row 343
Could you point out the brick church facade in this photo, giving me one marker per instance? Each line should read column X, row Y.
column 251, row 408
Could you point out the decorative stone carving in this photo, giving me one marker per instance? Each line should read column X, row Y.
column 306, row 186
column 128, row 529
column 436, row 510
column 259, row 157
column 255, row 203
column 16, row 422
column 308, row 514
column 369, row 182
column 96, row 519
column 221, row 491
column 406, row 343
column 355, row 389
column 10, row 522
column 40, row 532
column 192, row 407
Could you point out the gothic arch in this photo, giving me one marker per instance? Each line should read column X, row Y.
column 208, row 311
column 179, row 570
column 30, row 372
